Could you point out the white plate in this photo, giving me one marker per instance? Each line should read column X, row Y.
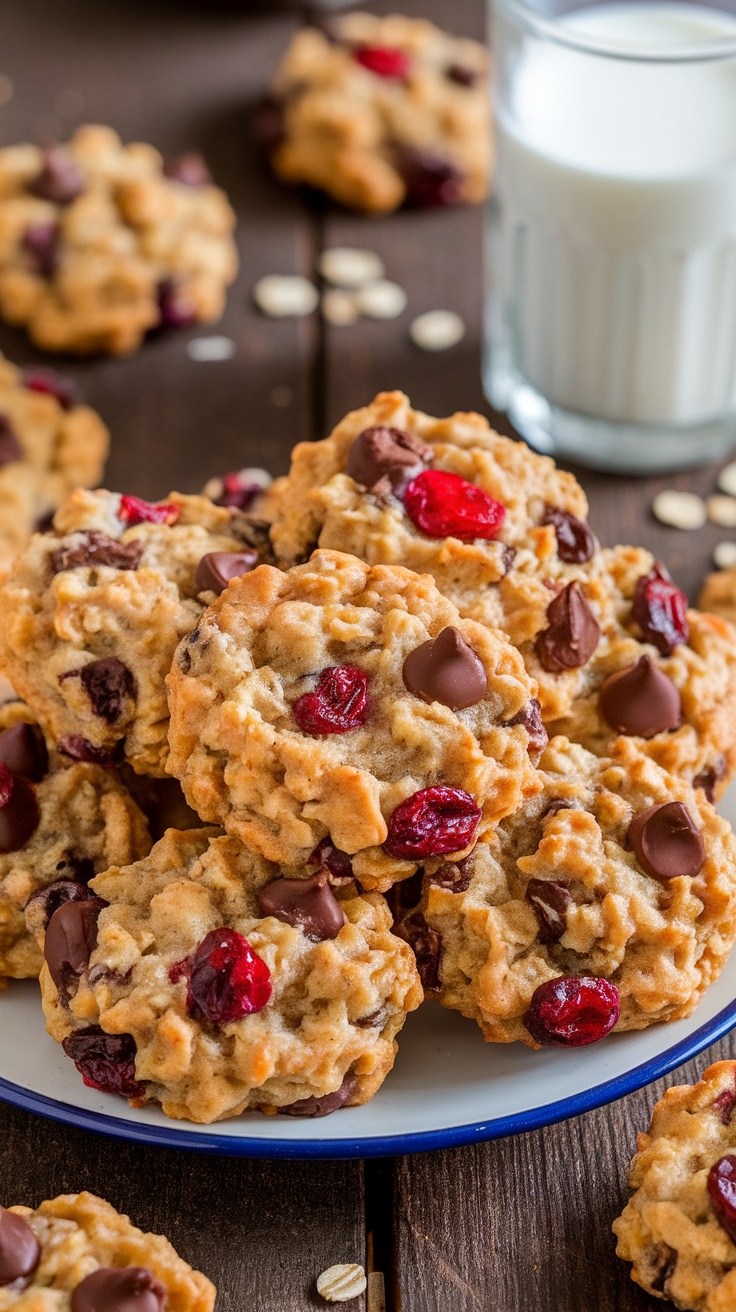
column 448, row 1087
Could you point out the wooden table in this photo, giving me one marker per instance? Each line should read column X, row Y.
column 510, row 1226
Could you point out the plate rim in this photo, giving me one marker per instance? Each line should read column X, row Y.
column 454, row 1136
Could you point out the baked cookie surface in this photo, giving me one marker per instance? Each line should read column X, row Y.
column 213, row 985
column 75, row 1253
column 101, row 242
column 718, row 594
column 379, row 112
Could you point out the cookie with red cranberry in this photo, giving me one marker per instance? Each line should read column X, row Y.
column 338, row 700
column 214, row 982
column 101, row 242
column 679, row 1227
column 381, row 112
column 608, row 902
column 94, row 609
column 75, row 1253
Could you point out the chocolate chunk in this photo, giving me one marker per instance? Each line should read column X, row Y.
column 81, row 749
column 108, row 683
column 662, row 1265
column 42, row 904
column 572, row 635
column 430, row 178
column 19, row 815
column 640, row 700
column 405, row 895
column 71, row 937
column 98, row 549
column 426, row 945
column 454, row 878
column 531, row 718
column 383, row 453
column 463, row 75
column 308, row 904
column 41, row 244
column 708, row 778
column 322, row 1106
column 328, row 857
column 23, row 750
column 446, row 670
column 666, row 842
column 550, row 899
column 79, row 868
column 20, row 1251
column 60, row 179
column 217, row 568
column 575, row 541
column 119, row 1289
column 10, row 447
column 190, row 169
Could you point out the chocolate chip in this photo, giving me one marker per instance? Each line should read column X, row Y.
column 328, row 1102
column 666, row 842
column 454, row 878
column 426, row 945
column 382, row 453
column 19, row 814
column 328, row 857
column 430, row 178
column 217, row 568
column 60, row 179
column 550, row 899
column 119, row 1289
column 708, row 778
column 10, row 447
column 81, row 749
column 531, row 718
column 109, row 685
column 308, row 904
column 42, row 904
column 463, row 75
column 663, row 1263
column 405, row 895
column 98, row 549
column 640, row 700
column 23, row 750
column 20, row 1251
column 71, row 937
column 41, row 244
column 508, row 556
column 575, row 541
column 572, row 635
column 190, row 169
column 446, row 670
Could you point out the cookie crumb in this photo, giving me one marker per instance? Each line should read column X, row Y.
column 724, row 555
column 207, row 349
column 682, row 510
column 338, row 1284
column 347, row 266
column 722, row 511
column 381, row 299
column 437, row 330
column 339, row 308
column 283, row 296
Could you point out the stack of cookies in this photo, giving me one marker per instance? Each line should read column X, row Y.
column 400, row 727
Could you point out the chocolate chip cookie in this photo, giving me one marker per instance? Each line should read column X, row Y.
column 381, row 112
column 77, row 1254
column 101, row 242
column 679, row 1228
column 206, row 979
column 343, row 701
column 93, row 611
column 608, row 901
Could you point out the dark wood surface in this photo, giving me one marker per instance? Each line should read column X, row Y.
column 511, row 1226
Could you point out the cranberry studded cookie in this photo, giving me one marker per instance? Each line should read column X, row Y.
column 77, row 1254
column 679, row 1227
column 93, row 611
column 203, row 979
column 379, row 112
column 346, row 702
column 100, row 242
column 608, row 901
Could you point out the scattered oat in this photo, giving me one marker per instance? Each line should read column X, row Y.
column 437, row 330
column 679, row 509
column 339, row 308
column 282, row 296
column 724, row 555
column 727, row 479
column 347, row 266
column 381, row 299
column 208, row 349
column 214, row 487
column 338, row 1284
column 722, row 510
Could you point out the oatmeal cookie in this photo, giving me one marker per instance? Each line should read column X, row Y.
column 207, row 981
column 617, row 875
column 379, row 112
column 93, row 611
column 679, row 1228
column 100, row 242
column 718, row 595
column 347, row 701
column 76, row 1254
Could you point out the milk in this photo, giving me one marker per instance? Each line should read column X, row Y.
column 614, row 261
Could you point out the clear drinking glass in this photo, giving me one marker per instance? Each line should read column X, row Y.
column 611, row 311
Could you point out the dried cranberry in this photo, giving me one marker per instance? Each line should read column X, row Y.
column 328, row 857
column 385, row 61
column 724, row 1104
column 133, row 510
column 236, row 492
column 81, row 749
column 442, row 505
column 660, row 610
column 575, row 541
column 572, row 1011
column 339, row 702
column 174, row 309
column 41, row 244
column 722, row 1192
column 105, row 1061
column 49, row 383
column 226, row 979
column 433, row 822
column 550, row 899
column 431, row 180
column 98, row 549
column 189, row 169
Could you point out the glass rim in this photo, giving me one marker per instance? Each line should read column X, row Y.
column 680, row 53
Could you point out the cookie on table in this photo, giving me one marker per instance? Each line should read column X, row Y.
column 679, row 1227
column 718, row 594
column 49, row 444
column 207, row 981
column 608, row 901
column 343, row 701
column 379, row 112
column 101, row 242
column 75, row 1253
column 93, row 611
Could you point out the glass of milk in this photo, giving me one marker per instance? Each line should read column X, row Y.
column 612, row 304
